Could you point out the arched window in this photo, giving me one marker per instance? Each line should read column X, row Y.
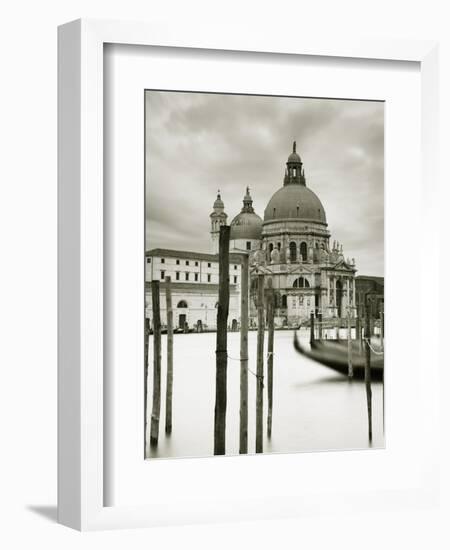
column 284, row 301
column 304, row 251
column 301, row 282
column 182, row 303
column 293, row 251
column 270, row 247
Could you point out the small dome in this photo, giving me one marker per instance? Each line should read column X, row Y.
column 294, row 157
column 246, row 225
column 295, row 202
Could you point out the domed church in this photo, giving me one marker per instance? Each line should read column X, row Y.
column 291, row 246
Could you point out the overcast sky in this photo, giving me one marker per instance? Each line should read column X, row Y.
column 199, row 143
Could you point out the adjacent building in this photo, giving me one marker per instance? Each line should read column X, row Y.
column 195, row 287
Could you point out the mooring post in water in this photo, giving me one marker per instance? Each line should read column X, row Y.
column 169, row 382
column 319, row 320
column 311, row 330
column 156, row 408
column 357, row 328
column 367, row 374
column 243, row 410
column 349, row 344
column 270, row 338
column 221, row 341
column 260, row 366
column 146, row 337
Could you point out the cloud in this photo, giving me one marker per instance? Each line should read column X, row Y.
column 198, row 143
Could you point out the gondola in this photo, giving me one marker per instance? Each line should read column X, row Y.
column 334, row 354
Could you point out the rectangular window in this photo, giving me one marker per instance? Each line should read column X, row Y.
column 235, row 267
column 249, row 245
column 149, row 260
column 209, row 278
column 187, row 262
column 163, row 261
column 163, row 274
column 196, row 264
column 177, row 275
column 178, row 262
column 235, row 279
column 209, row 264
column 186, row 276
column 196, row 276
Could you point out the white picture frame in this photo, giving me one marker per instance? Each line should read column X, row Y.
column 81, row 484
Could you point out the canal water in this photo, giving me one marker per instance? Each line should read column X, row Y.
column 314, row 408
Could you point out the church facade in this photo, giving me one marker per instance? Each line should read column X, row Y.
column 291, row 246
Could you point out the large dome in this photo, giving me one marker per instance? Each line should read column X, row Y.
column 246, row 225
column 295, row 202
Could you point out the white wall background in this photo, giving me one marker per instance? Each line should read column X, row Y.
column 28, row 267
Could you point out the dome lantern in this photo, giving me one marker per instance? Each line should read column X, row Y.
column 294, row 168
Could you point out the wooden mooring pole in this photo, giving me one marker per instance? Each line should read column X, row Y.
column 349, row 344
column 320, row 330
column 169, row 384
column 221, row 341
column 367, row 374
column 260, row 366
column 156, row 408
column 243, row 409
column 311, row 328
column 146, row 337
column 361, row 324
column 270, row 338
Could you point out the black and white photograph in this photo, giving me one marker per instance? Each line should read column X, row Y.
column 218, row 219
column 264, row 274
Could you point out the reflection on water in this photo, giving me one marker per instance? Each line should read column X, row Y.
column 314, row 408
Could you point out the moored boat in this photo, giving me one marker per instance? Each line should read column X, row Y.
column 334, row 354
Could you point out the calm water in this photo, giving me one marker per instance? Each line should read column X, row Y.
column 313, row 407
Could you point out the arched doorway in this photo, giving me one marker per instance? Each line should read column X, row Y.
column 182, row 317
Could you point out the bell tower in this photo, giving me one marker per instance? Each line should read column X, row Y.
column 218, row 218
